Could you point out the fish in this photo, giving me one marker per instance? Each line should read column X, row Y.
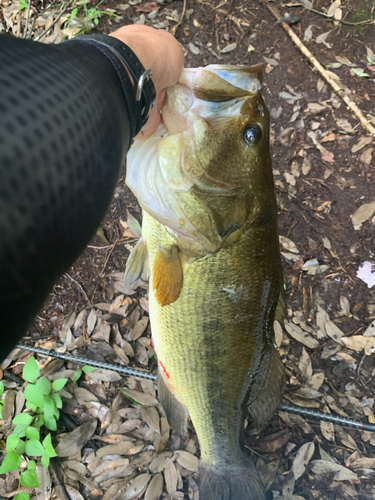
column 205, row 184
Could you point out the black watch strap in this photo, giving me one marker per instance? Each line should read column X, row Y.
column 145, row 92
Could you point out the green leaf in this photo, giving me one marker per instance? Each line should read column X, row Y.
column 20, row 430
column 47, row 443
column 12, row 441
column 21, row 447
column 1, row 388
column 45, row 461
column 88, row 369
column 96, row 21
column 370, row 60
column 22, row 496
column 12, row 461
column 44, row 385
column 57, row 399
column 29, row 479
column 31, row 370
column 39, row 421
column 32, row 433
column 77, row 376
column 34, row 448
column 359, row 73
column 31, row 464
column 34, row 395
column 50, row 423
column 49, row 407
column 59, row 383
column 73, row 14
column 22, row 419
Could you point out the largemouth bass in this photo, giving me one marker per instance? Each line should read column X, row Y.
column 204, row 180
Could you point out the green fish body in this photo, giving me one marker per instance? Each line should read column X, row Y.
column 206, row 186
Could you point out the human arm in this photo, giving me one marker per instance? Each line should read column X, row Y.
column 64, row 133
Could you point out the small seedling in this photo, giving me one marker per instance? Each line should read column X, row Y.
column 42, row 409
column 23, row 5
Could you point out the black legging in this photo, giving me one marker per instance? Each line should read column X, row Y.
column 64, row 133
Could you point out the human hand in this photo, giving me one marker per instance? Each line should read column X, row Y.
column 159, row 51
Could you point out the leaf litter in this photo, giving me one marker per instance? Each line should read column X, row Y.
column 134, row 435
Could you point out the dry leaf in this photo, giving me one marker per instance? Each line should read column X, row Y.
column 366, row 156
column 327, row 430
column 336, row 471
column 170, row 476
column 229, row 48
column 140, row 397
column 298, row 334
column 370, row 330
column 328, row 157
column 139, row 328
column 72, row 442
column 288, row 244
column 363, row 463
column 104, row 375
column 334, row 332
column 155, row 488
column 302, row 458
column 151, row 417
column 121, row 448
column 361, row 143
column 308, row 34
column 359, row 343
column 322, row 39
column 304, row 365
column 137, row 487
column 363, row 213
column 187, row 460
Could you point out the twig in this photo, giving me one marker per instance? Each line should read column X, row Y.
column 38, row 15
column 80, row 287
column 108, row 256
column 27, row 19
column 174, row 29
column 54, row 22
column 305, row 51
column 369, row 21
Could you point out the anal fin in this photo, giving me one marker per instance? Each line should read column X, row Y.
column 136, row 271
column 167, row 275
column 177, row 413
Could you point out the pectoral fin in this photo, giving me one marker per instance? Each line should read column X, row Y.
column 167, row 275
column 136, row 271
column 177, row 413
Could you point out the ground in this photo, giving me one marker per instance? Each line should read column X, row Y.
column 324, row 172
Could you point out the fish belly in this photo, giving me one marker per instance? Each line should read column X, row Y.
column 212, row 343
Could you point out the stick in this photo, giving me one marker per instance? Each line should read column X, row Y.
column 54, row 22
column 305, row 51
column 181, row 18
column 27, row 19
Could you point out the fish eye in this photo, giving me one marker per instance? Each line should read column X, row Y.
column 252, row 134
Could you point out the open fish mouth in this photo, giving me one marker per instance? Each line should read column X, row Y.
column 182, row 160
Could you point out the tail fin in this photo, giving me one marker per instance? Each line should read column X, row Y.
column 230, row 483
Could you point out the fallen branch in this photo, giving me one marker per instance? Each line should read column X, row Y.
column 305, row 51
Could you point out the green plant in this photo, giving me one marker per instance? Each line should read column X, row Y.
column 78, row 373
column 42, row 409
column 23, row 5
column 85, row 21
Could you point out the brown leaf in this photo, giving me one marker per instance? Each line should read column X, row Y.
column 140, row 397
column 271, row 443
column 361, row 143
column 329, row 137
column 147, row 7
column 336, row 471
column 366, row 156
column 187, row 460
column 155, row 488
column 328, row 156
column 302, row 458
column 72, row 442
